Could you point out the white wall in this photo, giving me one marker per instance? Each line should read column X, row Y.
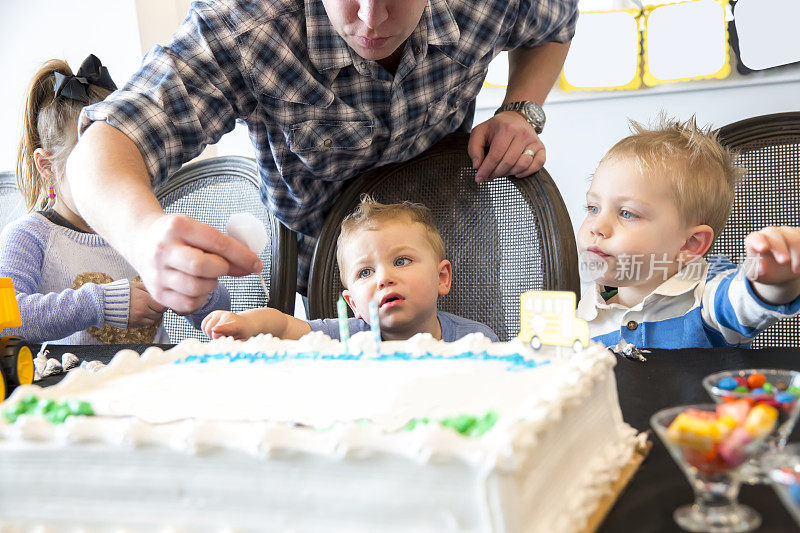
column 33, row 31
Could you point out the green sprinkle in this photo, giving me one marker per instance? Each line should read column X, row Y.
column 484, row 424
column 462, row 423
column 43, row 407
column 414, row 422
column 10, row 415
column 767, row 387
column 794, row 390
column 55, row 412
column 58, row 414
column 29, row 402
column 80, row 408
column 741, row 389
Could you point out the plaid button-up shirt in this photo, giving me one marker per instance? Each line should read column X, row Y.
column 317, row 113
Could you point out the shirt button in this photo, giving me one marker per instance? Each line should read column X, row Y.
column 398, row 138
column 327, row 143
column 363, row 64
column 417, row 49
column 632, row 325
column 455, row 105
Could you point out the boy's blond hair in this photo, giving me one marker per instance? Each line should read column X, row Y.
column 703, row 173
column 371, row 214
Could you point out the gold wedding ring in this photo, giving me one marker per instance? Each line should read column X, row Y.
column 528, row 151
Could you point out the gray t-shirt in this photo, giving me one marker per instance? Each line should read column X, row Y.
column 453, row 327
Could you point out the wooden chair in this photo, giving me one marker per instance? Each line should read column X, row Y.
column 503, row 238
column 210, row 191
column 769, row 195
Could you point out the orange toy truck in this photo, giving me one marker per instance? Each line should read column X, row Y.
column 16, row 360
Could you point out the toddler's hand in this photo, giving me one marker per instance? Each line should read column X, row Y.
column 773, row 255
column 226, row 324
column 144, row 310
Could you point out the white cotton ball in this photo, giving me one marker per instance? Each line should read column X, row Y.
column 247, row 229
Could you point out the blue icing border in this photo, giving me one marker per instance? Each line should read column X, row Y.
column 516, row 361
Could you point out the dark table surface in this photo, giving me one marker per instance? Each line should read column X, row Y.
column 668, row 378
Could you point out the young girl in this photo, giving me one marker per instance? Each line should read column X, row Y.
column 72, row 287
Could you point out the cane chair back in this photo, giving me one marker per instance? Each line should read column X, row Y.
column 769, row 195
column 12, row 206
column 210, row 191
column 502, row 238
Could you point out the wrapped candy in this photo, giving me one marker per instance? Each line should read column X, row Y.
column 733, row 449
column 692, row 431
column 53, row 366
column 69, row 360
column 715, row 441
column 761, row 420
column 737, row 410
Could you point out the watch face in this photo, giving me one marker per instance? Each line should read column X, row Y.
column 535, row 112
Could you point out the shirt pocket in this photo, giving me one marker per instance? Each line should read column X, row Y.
column 455, row 103
column 326, row 135
column 319, row 144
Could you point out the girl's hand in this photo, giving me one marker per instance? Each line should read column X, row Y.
column 226, row 324
column 143, row 310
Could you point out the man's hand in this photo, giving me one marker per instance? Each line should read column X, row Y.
column 143, row 309
column 180, row 259
column 227, row 324
column 511, row 140
column 773, row 256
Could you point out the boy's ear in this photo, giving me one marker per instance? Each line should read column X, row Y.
column 445, row 276
column 351, row 302
column 698, row 243
column 44, row 164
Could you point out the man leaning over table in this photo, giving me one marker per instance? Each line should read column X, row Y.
column 328, row 89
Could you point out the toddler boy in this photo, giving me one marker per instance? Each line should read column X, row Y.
column 390, row 254
column 656, row 202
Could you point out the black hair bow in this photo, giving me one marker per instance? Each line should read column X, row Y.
column 76, row 87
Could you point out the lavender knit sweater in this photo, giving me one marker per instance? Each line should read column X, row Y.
column 43, row 259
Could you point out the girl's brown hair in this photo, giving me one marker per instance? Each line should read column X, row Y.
column 50, row 123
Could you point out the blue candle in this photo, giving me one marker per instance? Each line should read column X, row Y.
column 374, row 325
column 344, row 329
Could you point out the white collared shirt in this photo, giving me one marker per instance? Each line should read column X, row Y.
column 706, row 304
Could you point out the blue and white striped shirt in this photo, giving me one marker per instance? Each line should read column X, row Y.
column 317, row 113
column 710, row 304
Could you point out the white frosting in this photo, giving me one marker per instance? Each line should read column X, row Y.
column 558, row 441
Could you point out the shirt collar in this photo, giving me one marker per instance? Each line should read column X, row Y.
column 327, row 50
column 682, row 282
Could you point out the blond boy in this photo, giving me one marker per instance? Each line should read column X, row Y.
column 656, row 202
column 392, row 255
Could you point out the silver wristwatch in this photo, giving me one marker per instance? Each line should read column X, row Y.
column 532, row 112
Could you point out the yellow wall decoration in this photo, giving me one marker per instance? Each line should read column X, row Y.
column 685, row 41
column 604, row 54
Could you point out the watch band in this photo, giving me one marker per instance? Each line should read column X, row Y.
column 519, row 107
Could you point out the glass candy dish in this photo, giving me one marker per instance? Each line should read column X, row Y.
column 782, row 467
column 710, row 447
column 778, row 388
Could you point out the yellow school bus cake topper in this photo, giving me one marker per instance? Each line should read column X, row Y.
column 548, row 318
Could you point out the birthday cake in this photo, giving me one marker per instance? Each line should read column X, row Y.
column 316, row 435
